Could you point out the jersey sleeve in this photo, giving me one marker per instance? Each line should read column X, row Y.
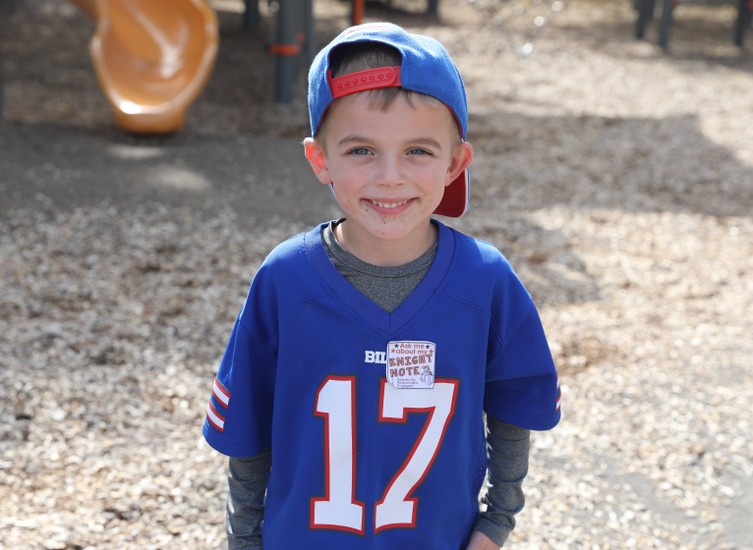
column 239, row 412
column 522, row 385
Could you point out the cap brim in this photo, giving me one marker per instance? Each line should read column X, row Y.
column 455, row 200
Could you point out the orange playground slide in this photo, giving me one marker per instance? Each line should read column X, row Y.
column 152, row 58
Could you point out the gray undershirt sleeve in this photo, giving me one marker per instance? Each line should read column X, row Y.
column 508, row 449
column 247, row 485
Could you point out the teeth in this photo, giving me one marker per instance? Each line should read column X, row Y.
column 389, row 204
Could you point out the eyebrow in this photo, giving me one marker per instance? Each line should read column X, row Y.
column 426, row 141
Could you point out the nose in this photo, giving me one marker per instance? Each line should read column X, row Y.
column 390, row 171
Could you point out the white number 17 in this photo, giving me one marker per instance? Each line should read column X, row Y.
column 335, row 402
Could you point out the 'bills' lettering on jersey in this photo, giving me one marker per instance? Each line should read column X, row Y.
column 379, row 357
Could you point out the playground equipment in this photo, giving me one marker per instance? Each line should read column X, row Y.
column 293, row 42
column 646, row 10
column 152, row 58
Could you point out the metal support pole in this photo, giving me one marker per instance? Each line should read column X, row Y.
column 287, row 47
column 646, row 10
column 665, row 24
column 744, row 12
column 250, row 15
column 308, row 16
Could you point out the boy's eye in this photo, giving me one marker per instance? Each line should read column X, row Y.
column 359, row 151
column 418, row 151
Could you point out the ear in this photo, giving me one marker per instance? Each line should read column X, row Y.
column 462, row 157
column 317, row 158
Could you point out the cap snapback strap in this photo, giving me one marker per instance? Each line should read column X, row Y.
column 370, row 79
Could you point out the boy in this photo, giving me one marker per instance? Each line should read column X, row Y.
column 360, row 369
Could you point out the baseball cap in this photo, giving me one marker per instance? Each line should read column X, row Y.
column 426, row 67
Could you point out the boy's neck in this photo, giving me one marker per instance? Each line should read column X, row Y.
column 383, row 252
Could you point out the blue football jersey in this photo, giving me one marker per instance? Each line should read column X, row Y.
column 375, row 419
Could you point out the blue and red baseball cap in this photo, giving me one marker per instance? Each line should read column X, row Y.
column 426, row 68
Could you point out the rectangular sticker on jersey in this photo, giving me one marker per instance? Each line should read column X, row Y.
column 411, row 365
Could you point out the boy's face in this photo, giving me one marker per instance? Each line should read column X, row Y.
column 388, row 169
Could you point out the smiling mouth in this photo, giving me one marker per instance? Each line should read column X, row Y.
column 388, row 205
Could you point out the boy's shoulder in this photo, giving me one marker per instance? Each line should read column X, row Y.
column 286, row 276
column 482, row 272
column 292, row 250
column 476, row 253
